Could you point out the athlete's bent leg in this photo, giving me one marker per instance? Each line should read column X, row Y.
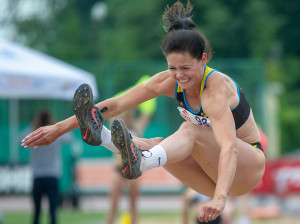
column 206, row 152
column 200, row 143
column 191, row 174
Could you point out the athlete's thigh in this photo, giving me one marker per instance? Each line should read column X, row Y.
column 190, row 173
column 250, row 166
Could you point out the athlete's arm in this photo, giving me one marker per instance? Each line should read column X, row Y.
column 160, row 84
column 215, row 104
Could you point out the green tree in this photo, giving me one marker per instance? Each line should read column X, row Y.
column 66, row 33
column 287, row 54
column 133, row 29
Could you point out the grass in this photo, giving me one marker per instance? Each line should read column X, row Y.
column 64, row 217
column 80, row 217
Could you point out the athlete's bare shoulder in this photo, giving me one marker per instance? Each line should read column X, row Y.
column 162, row 83
column 219, row 84
column 215, row 79
column 214, row 84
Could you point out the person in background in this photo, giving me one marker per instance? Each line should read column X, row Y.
column 137, row 121
column 45, row 163
column 193, row 200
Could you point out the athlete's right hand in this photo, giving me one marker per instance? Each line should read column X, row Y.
column 42, row 136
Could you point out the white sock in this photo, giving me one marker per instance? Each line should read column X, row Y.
column 155, row 157
column 106, row 140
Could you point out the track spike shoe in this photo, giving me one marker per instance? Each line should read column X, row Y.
column 131, row 155
column 89, row 117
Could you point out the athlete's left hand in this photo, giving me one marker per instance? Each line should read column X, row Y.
column 42, row 136
column 211, row 210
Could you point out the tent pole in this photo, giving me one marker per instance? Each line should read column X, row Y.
column 14, row 126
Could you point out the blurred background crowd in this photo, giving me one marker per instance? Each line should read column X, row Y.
column 48, row 48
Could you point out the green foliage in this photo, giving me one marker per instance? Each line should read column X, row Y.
column 289, row 33
column 290, row 104
column 290, row 126
column 133, row 29
column 238, row 28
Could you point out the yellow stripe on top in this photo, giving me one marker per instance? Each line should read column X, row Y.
column 179, row 89
column 207, row 71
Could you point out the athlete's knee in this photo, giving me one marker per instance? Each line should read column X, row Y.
column 186, row 126
column 188, row 129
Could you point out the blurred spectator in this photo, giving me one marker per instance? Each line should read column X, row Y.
column 45, row 162
column 136, row 122
column 193, row 200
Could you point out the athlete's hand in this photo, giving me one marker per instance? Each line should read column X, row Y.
column 42, row 136
column 211, row 210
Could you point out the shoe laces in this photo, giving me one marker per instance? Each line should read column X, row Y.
column 98, row 118
column 94, row 123
column 134, row 157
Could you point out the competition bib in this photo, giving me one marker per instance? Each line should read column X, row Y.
column 188, row 116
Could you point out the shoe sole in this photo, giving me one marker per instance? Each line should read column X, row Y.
column 82, row 101
column 120, row 137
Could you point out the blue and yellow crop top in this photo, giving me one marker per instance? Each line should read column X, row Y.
column 240, row 113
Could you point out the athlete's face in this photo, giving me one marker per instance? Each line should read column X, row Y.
column 187, row 71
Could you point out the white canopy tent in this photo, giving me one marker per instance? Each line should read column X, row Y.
column 29, row 74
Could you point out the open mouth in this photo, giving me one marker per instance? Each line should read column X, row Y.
column 183, row 81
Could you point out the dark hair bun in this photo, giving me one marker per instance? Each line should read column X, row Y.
column 178, row 17
column 186, row 24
